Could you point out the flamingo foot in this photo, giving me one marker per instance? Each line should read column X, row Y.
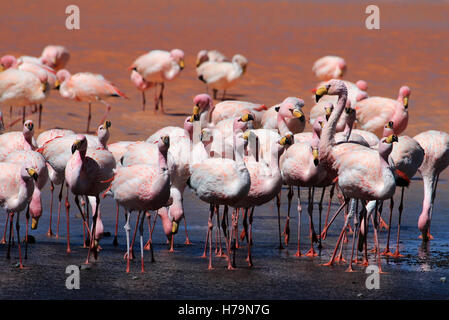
column 350, row 269
column 147, row 245
column 311, row 253
column 328, row 264
column 364, row 263
column 188, row 242
column 3, row 241
column 131, row 256
column 210, row 267
column 396, row 255
column 298, row 253
column 230, row 267
column 49, row 233
column 340, row 258
column 383, row 224
column 426, row 238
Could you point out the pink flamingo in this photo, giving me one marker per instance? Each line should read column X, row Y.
column 221, row 182
column 211, row 55
column 374, row 112
column 19, row 88
column 16, row 191
column 142, row 187
column 436, row 159
column 286, row 116
column 157, row 67
column 55, row 57
column 16, row 140
column 362, row 172
column 329, row 67
column 89, row 87
column 222, row 75
column 266, row 183
column 89, row 172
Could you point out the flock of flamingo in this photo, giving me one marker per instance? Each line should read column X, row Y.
column 232, row 154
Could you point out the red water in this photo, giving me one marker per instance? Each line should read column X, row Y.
column 280, row 39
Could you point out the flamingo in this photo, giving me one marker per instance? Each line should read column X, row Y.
column 53, row 56
column 266, row 183
column 142, row 187
column 89, row 172
column 16, row 191
column 286, row 116
column 157, row 67
column 222, row 75
column 329, row 67
column 19, row 88
column 374, row 112
column 211, row 55
column 16, row 140
column 89, row 87
column 436, row 159
column 362, row 172
column 407, row 156
column 221, row 182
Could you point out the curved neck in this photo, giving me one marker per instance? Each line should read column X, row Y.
column 282, row 125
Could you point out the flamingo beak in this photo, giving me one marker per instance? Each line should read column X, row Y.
column 246, row 134
column 320, row 92
column 76, row 145
column 32, row 173
column 391, row 138
column 328, row 113
column 34, row 223
column 2, row 68
column 247, row 117
column 405, row 100
column 166, row 140
column 175, row 226
column 181, row 64
column 57, row 84
column 196, row 113
column 315, row 157
column 198, row 62
column 107, row 124
column 322, row 124
column 299, row 114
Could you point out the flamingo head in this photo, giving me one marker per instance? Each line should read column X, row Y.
column 291, row 108
column 334, row 88
column 386, row 145
column 201, row 57
column 188, row 125
column 350, row 114
column 55, row 56
column 241, row 123
column 241, row 61
column 178, row 56
column 61, row 76
column 103, row 132
column 7, row 62
column 163, row 144
column 28, row 172
column 328, row 108
column 388, row 129
column 318, row 125
column 404, row 94
column 287, row 139
column 202, row 102
column 28, row 129
column 80, row 144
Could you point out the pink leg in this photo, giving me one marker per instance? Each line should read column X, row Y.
column 3, row 241
column 18, row 240
column 52, row 188
column 59, row 209
column 67, row 207
column 287, row 221
column 115, row 242
column 278, row 204
column 299, row 209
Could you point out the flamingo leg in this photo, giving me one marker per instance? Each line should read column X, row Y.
column 387, row 251
column 127, row 229
column 67, row 207
column 250, row 237
column 8, row 253
column 40, row 115
column 244, row 233
column 18, row 240
column 287, row 220
column 401, row 207
column 210, row 226
column 3, row 241
column 331, row 261
column 323, row 234
column 218, row 248
column 85, row 224
column 161, row 97
column 356, row 227
column 52, row 188
column 224, row 95
column 331, row 195
column 376, row 239
column 187, row 242
column 27, row 216
column 237, row 229
column 93, row 241
column 134, row 237
column 143, row 100
column 108, row 109
column 59, row 209
column 115, row 242
column 278, row 204
column 299, row 209
column 211, row 207
column 320, row 210
column 227, row 236
column 89, row 117
column 215, row 91
column 141, row 241
column 23, row 115
column 311, row 253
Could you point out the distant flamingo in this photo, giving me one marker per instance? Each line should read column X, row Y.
column 222, row 75
column 142, row 187
column 55, row 57
column 16, row 191
column 89, row 87
column 329, row 67
column 221, row 182
column 211, row 55
column 374, row 112
column 436, row 159
column 157, row 67
column 286, row 116
column 88, row 173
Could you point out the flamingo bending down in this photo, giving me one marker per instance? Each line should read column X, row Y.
column 89, row 87
column 220, row 181
column 88, row 172
column 374, row 112
column 286, row 116
column 209, row 55
column 142, row 187
column 16, row 191
column 362, row 172
column 222, row 75
column 329, row 67
column 55, row 57
column 157, row 67
column 436, row 159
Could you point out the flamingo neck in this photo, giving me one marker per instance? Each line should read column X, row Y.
column 282, row 125
column 163, row 159
column 424, row 218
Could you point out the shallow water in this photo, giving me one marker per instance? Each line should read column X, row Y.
column 281, row 41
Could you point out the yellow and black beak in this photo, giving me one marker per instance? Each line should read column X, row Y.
column 315, row 155
column 298, row 114
column 32, row 173
column 389, row 125
column 321, row 124
column 392, row 138
column 328, row 112
column 246, row 134
column 286, row 140
column 57, row 84
column 34, row 223
column 195, row 113
column 174, row 228
column 320, row 92
column 181, row 64
column 405, row 100
column 2, row 68
column 107, row 124
column 247, row 117
column 30, row 126
column 76, row 145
